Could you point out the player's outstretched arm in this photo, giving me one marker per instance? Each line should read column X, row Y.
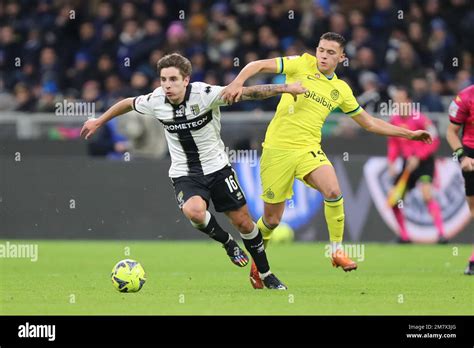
column 233, row 92
column 267, row 91
column 120, row 108
column 378, row 126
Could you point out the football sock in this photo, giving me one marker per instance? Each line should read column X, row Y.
column 334, row 213
column 265, row 230
column 401, row 223
column 253, row 242
column 435, row 211
column 212, row 229
column 472, row 257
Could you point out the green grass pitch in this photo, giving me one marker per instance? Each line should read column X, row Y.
column 197, row 278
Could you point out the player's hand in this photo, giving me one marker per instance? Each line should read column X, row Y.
column 421, row 135
column 90, row 127
column 296, row 88
column 412, row 163
column 232, row 93
column 467, row 164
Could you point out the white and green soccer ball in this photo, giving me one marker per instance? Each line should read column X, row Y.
column 128, row 276
column 283, row 234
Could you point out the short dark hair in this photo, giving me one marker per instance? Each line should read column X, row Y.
column 177, row 61
column 332, row 36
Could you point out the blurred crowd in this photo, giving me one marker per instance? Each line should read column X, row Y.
column 101, row 51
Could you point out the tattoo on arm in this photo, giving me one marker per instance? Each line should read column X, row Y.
column 263, row 91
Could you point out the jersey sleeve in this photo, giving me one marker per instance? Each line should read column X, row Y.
column 458, row 111
column 350, row 106
column 142, row 104
column 288, row 65
column 211, row 96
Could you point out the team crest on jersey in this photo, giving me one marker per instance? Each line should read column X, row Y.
column 334, row 94
column 269, row 194
column 195, row 109
column 180, row 200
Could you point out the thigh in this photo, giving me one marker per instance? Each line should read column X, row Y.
column 324, row 180
column 186, row 187
column 226, row 193
column 309, row 161
column 277, row 174
column 469, row 183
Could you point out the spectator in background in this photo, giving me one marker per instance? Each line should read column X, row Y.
column 48, row 98
column 406, row 66
column 417, row 38
column 153, row 38
column 109, row 37
column 139, row 83
column 129, row 39
column 105, row 68
column 442, row 48
column 422, row 94
column 49, row 69
column 371, row 96
column 9, row 51
column 81, row 72
column 24, row 98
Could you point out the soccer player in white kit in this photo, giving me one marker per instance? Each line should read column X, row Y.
column 200, row 169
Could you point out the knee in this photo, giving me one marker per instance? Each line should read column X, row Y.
column 427, row 197
column 332, row 192
column 195, row 212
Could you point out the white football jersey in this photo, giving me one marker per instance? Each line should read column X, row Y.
column 192, row 128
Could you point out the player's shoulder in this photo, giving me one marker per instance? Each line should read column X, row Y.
column 342, row 85
column 465, row 95
column 308, row 60
column 154, row 96
column 203, row 88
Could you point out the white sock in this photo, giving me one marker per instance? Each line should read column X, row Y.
column 335, row 246
column 252, row 234
column 264, row 275
column 204, row 224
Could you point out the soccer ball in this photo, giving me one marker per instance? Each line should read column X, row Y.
column 128, row 276
column 282, row 234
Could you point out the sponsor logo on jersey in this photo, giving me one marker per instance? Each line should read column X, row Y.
column 187, row 125
column 319, row 99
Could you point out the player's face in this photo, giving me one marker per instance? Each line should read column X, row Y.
column 329, row 54
column 174, row 84
column 400, row 96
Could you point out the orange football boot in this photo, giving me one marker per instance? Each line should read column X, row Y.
column 340, row 259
